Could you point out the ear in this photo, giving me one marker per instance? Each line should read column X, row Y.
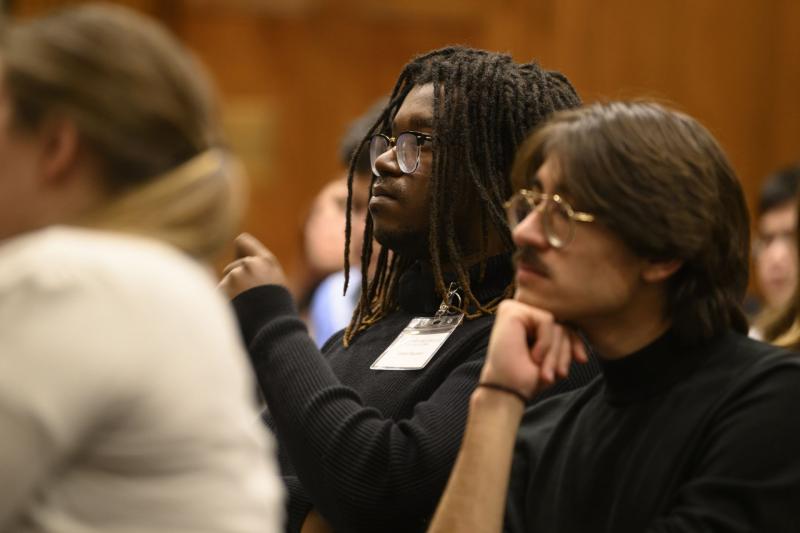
column 60, row 144
column 658, row 271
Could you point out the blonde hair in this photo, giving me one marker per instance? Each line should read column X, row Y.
column 144, row 109
column 195, row 207
column 782, row 326
column 790, row 338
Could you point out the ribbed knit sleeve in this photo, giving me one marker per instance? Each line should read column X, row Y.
column 298, row 505
column 362, row 470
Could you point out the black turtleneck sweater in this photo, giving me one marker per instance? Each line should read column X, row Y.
column 669, row 439
column 371, row 450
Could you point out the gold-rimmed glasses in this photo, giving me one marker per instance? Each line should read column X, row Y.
column 558, row 217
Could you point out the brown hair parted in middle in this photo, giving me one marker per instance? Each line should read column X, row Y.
column 661, row 182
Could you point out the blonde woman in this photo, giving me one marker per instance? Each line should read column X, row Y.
column 125, row 398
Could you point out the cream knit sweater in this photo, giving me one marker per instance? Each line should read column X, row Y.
column 126, row 401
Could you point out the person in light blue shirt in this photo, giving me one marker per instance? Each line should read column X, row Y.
column 329, row 309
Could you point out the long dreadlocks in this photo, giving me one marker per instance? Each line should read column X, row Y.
column 484, row 107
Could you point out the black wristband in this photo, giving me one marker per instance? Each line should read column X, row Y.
column 503, row 388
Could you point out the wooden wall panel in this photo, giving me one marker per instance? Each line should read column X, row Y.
column 781, row 124
column 293, row 73
column 316, row 72
column 711, row 59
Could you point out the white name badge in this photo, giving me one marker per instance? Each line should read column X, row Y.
column 417, row 343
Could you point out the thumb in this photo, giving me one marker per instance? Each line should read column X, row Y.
column 247, row 245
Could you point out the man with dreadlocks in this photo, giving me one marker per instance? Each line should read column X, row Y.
column 369, row 429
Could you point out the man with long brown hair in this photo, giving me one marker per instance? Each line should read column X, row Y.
column 632, row 228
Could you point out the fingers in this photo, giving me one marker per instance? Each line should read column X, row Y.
column 529, row 350
column 543, row 327
column 552, row 356
column 565, row 346
column 555, row 345
column 571, row 349
column 225, row 286
column 247, row 245
column 579, row 351
column 232, row 266
column 565, row 354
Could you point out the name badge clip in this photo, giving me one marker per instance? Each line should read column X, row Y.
column 419, row 341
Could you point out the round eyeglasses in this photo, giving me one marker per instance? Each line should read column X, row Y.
column 558, row 217
column 407, row 147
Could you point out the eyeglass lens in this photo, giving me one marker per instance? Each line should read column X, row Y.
column 378, row 145
column 407, row 150
column 555, row 218
column 558, row 223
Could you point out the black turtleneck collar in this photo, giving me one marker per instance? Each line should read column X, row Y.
column 417, row 287
column 646, row 372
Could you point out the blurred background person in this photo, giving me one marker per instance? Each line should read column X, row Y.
column 126, row 401
column 329, row 309
column 322, row 239
column 782, row 326
column 775, row 243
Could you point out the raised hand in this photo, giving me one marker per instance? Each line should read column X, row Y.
column 254, row 265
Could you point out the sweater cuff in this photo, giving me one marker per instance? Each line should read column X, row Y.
column 255, row 308
column 299, row 505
